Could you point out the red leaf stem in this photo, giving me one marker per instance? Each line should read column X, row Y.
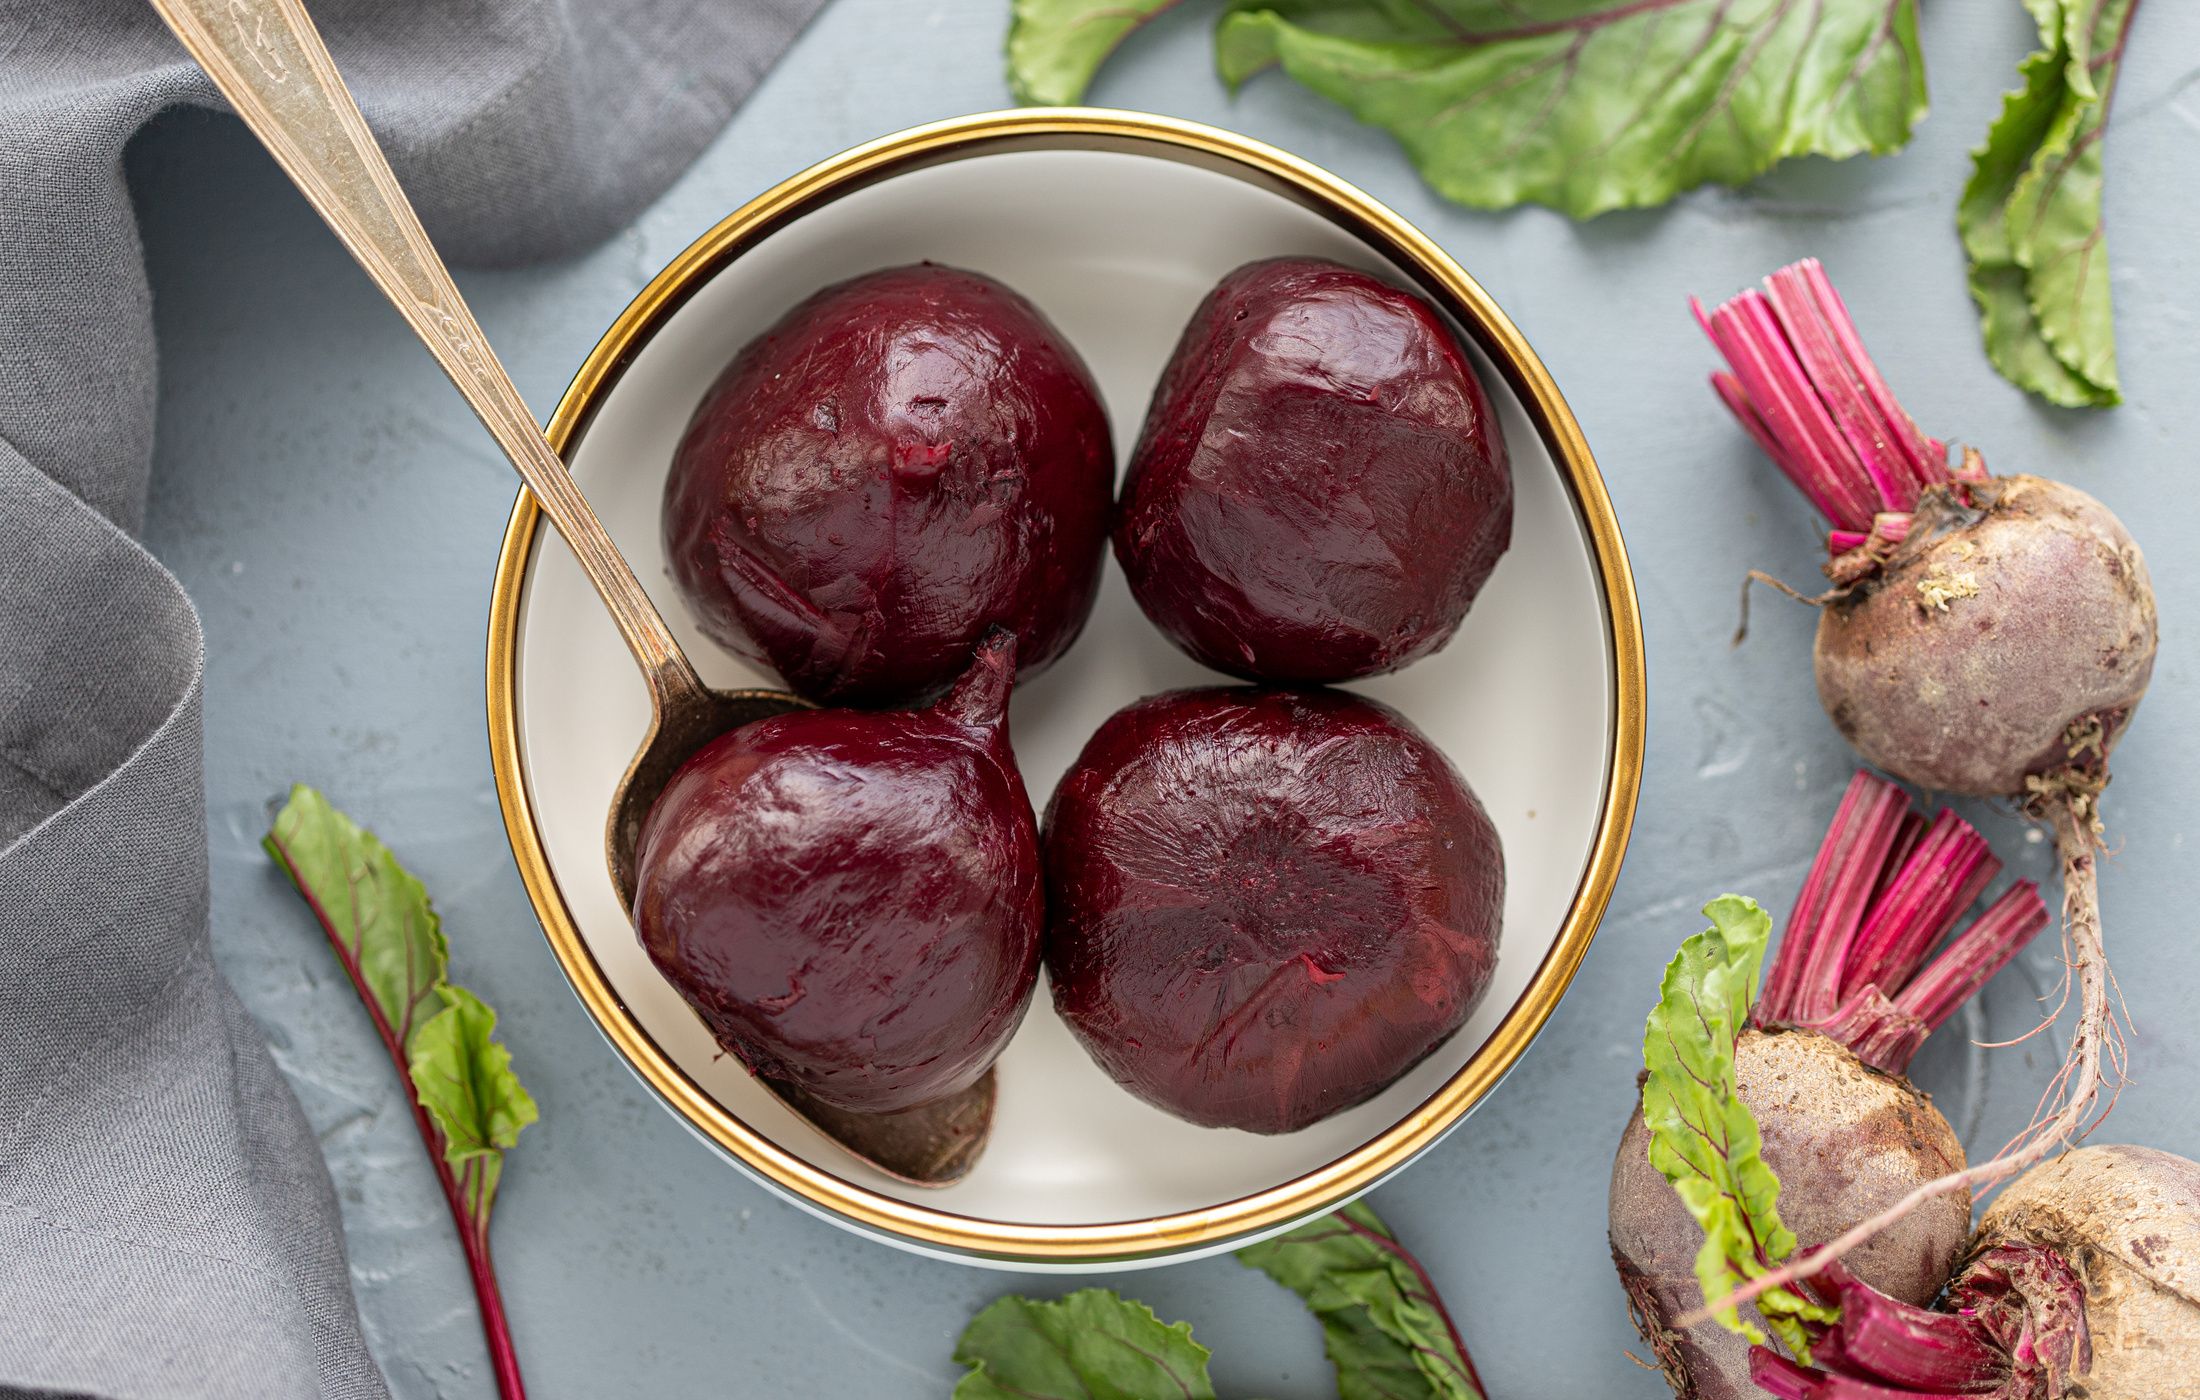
column 473, row 1230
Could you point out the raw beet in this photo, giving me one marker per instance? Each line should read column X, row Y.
column 2082, row 1280
column 2127, row 1219
column 1265, row 906
column 1872, row 962
column 1989, row 635
column 1321, row 488
column 2006, row 619
column 903, row 461
column 852, row 901
column 1846, row 1141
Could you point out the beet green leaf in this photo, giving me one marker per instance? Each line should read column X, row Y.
column 1703, row 1138
column 1384, row 1327
column 386, row 934
column 2031, row 213
column 1583, row 105
column 1091, row 1345
column 1055, row 46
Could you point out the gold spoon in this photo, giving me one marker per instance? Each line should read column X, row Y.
column 269, row 61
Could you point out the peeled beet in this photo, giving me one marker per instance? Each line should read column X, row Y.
column 903, row 461
column 852, row 901
column 1320, row 489
column 1265, row 906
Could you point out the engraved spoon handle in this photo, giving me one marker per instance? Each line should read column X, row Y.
column 269, row 61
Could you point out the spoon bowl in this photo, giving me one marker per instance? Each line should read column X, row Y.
column 678, row 730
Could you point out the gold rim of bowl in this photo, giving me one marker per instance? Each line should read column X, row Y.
column 1440, row 277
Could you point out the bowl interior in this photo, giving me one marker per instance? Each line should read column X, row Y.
column 1117, row 248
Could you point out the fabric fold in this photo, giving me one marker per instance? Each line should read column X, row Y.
column 167, row 1225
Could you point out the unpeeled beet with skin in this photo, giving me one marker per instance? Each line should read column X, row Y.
column 2127, row 1219
column 1320, row 488
column 850, row 900
column 2015, row 612
column 903, row 461
column 1265, row 906
column 1846, row 1141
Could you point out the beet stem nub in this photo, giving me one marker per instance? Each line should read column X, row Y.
column 1839, row 387
column 1803, row 441
column 1885, row 890
column 1945, row 875
column 1898, row 858
column 1915, row 1347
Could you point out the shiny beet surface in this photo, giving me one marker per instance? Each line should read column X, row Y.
column 1321, row 487
column 851, row 900
column 901, row 462
column 1264, row 906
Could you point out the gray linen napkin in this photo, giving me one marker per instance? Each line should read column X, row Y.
column 167, row 1227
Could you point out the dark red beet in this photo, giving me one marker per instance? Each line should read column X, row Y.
column 1264, row 906
column 852, row 901
column 1320, row 488
column 903, row 461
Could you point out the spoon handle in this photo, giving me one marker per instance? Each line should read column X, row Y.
column 270, row 63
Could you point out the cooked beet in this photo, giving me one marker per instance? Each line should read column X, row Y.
column 903, row 461
column 1320, row 488
column 851, row 900
column 1264, row 906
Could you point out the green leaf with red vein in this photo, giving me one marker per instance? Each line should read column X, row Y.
column 2031, row 212
column 389, row 939
column 1703, row 1138
column 1384, row 1327
column 1590, row 105
column 1583, row 105
column 467, row 1104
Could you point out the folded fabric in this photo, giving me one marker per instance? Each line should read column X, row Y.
column 167, row 1226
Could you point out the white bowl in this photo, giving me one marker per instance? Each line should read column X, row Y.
column 1115, row 224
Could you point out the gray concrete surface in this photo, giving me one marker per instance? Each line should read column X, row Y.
column 336, row 513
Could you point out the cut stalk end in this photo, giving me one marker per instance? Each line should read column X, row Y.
column 1801, row 384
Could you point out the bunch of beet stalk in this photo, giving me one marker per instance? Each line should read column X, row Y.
column 1985, row 635
column 1886, row 888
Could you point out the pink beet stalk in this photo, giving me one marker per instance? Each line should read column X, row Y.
column 1857, row 962
column 1801, row 384
column 1924, row 899
column 1806, row 975
column 1976, row 956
